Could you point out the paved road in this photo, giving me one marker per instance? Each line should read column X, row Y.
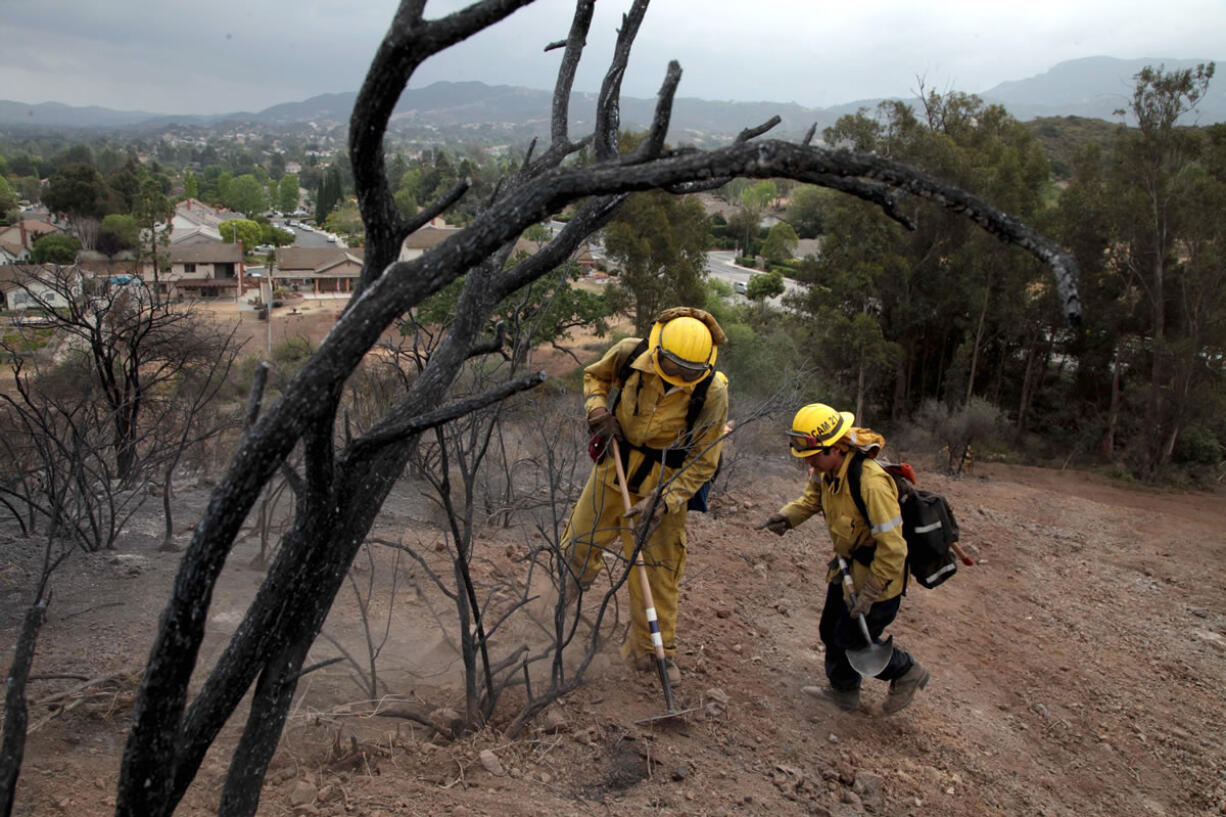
column 309, row 238
column 720, row 264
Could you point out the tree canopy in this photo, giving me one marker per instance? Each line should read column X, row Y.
column 55, row 248
column 241, row 229
column 659, row 243
column 78, row 191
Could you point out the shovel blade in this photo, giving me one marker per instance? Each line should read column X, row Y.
column 871, row 660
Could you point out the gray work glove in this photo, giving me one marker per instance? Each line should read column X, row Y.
column 777, row 524
column 604, row 423
column 867, row 595
column 637, row 516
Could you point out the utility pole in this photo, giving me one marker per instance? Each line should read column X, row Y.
column 266, row 295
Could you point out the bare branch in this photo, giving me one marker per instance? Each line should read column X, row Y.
column 754, row 133
column 427, row 214
column 389, row 432
column 743, row 136
column 608, row 110
column 574, row 43
column 654, row 143
column 409, row 41
column 491, row 346
column 256, row 397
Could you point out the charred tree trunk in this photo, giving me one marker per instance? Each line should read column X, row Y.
column 16, row 713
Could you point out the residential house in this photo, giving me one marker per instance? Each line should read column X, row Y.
column 195, row 222
column 30, row 285
column 210, row 270
column 424, row 238
column 587, row 260
column 437, row 231
column 99, row 265
column 16, row 240
column 808, row 246
column 318, row 271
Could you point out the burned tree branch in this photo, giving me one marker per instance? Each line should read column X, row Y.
column 608, row 111
column 574, row 43
column 393, row 432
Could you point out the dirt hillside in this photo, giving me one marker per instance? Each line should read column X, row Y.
column 1079, row 669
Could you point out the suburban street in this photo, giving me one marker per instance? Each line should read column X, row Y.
column 720, row 264
column 309, row 238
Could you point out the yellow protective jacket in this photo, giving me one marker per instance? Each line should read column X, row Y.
column 850, row 531
column 652, row 413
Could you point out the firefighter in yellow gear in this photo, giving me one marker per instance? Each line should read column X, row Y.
column 874, row 548
column 668, row 417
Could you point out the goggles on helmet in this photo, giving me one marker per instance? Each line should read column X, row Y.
column 806, row 443
column 687, row 370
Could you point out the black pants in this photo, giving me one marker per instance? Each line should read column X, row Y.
column 841, row 632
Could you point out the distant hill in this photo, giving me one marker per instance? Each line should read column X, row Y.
column 460, row 104
column 1093, row 87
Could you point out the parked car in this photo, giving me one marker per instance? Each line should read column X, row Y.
column 740, row 287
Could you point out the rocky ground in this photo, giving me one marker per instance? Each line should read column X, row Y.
column 1078, row 669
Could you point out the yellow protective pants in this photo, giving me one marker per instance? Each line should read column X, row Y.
column 596, row 523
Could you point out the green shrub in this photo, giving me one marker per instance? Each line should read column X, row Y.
column 1198, row 444
column 291, row 353
column 956, row 429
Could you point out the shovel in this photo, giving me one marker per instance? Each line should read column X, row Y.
column 870, row 660
column 657, row 641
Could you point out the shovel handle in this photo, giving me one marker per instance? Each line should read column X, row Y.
column 640, row 566
column 851, row 594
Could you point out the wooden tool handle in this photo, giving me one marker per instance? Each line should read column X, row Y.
column 962, row 555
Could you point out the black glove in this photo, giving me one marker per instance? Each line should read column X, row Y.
column 777, row 524
column 603, row 423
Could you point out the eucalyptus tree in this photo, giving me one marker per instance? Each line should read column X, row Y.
column 348, row 472
column 948, row 302
column 1158, row 198
column 659, row 242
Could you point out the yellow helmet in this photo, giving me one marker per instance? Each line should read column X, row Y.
column 816, row 427
column 686, row 346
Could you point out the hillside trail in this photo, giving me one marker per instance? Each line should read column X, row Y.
column 1077, row 670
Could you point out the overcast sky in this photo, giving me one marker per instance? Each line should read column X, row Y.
column 216, row 56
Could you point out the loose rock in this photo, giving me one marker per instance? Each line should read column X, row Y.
column 301, row 793
column 871, row 789
column 491, row 763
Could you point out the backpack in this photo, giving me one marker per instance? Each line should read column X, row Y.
column 673, row 457
column 928, row 523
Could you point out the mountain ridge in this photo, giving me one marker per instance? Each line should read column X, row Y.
column 1092, row 87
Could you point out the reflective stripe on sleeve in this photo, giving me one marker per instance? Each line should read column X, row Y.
column 889, row 524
